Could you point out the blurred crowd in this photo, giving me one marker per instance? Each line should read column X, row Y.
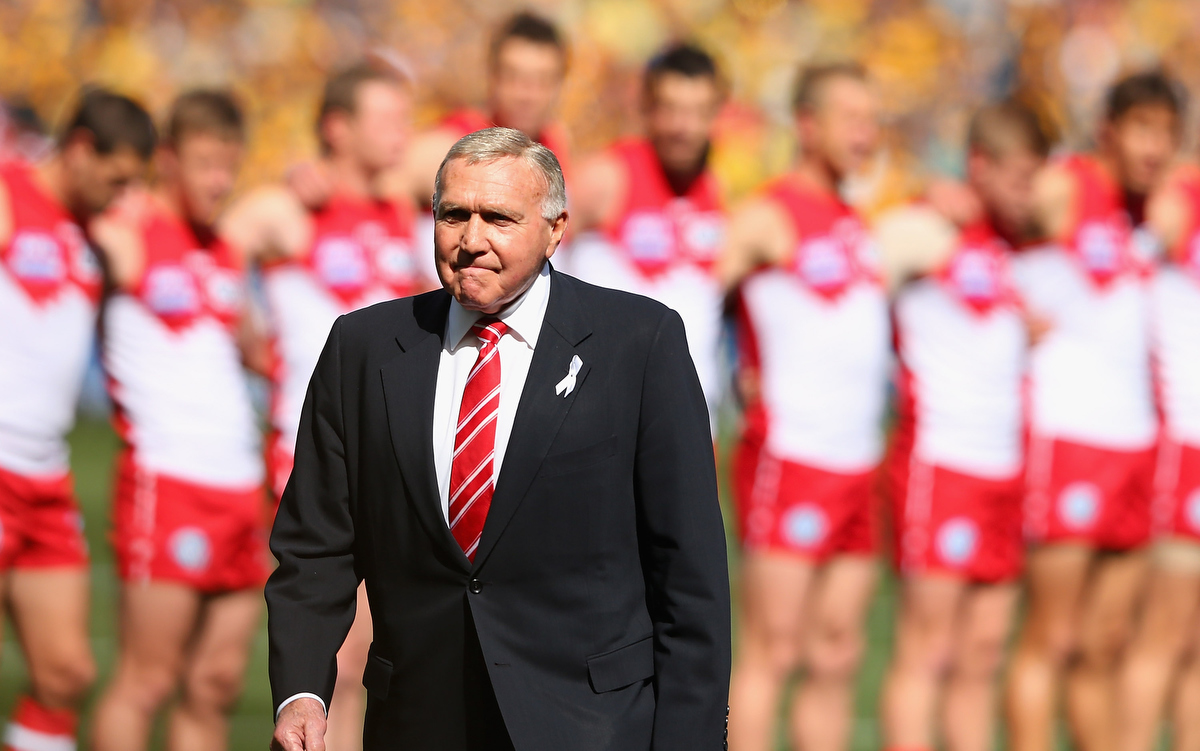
column 1057, row 54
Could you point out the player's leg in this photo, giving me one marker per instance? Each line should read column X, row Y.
column 1185, row 720
column 158, row 620
column 930, row 605
column 49, row 608
column 832, row 647
column 969, row 706
column 774, row 595
column 1105, row 625
column 1057, row 576
column 216, row 666
column 1160, row 643
column 345, row 728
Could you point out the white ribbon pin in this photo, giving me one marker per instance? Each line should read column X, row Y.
column 567, row 385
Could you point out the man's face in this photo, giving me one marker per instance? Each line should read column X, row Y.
column 1143, row 141
column 680, row 113
column 490, row 239
column 96, row 180
column 1004, row 183
column 524, row 84
column 204, row 167
column 378, row 130
column 843, row 127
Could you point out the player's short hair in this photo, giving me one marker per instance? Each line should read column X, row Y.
column 996, row 129
column 682, row 59
column 806, row 96
column 113, row 121
column 527, row 27
column 1152, row 87
column 490, row 144
column 341, row 91
column 205, row 111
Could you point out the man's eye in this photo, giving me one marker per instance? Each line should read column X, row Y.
column 494, row 218
column 454, row 215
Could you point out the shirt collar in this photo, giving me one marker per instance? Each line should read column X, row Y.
column 524, row 315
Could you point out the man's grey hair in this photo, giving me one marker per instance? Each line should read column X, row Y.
column 490, row 144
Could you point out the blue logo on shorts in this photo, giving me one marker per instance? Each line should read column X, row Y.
column 1192, row 510
column 805, row 526
column 191, row 549
column 1079, row 505
column 957, row 540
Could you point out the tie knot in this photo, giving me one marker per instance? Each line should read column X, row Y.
column 489, row 330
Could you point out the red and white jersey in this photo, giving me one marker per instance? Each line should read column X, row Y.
column 664, row 245
column 362, row 253
column 817, row 331
column 50, row 286
column 1090, row 376
column 1176, row 326
column 174, row 367
column 962, row 343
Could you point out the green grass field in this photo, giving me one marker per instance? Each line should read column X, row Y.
column 93, row 450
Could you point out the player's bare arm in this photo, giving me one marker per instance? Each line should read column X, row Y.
column 914, row 241
column 270, row 224
column 597, row 193
column 759, row 234
column 1169, row 213
column 117, row 235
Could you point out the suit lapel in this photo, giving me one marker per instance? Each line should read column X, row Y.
column 409, row 384
column 541, row 411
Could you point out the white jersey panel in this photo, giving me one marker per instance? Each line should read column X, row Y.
column 44, row 351
column 824, row 368
column 966, row 372
column 1090, row 375
column 1176, row 320
column 685, row 288
column 184, row 396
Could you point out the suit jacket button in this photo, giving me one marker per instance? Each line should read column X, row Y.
column 476, row 586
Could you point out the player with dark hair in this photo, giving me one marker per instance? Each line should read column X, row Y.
column 957, row 455
column 189, row 512
column 653, row 209
column 1093, row 425
column 50, row 285
column 812, row 371
column 357, row 249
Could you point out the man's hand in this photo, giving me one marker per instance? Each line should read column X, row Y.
column 300, row 727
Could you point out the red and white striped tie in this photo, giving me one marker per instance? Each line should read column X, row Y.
column 471, row 471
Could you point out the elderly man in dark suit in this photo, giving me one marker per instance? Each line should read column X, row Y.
column 519, row 466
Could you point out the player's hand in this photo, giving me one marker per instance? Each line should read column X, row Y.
column 311, row 183
column 1037, row 327
column 954, row 200
column 300, row 727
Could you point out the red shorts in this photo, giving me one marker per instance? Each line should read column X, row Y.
column 1087, row 494
column 949, row 522
column 1177, row 491
column 793, row 508
column 164, row 529
column 40, row 523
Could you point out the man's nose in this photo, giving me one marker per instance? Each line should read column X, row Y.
column 474, row 236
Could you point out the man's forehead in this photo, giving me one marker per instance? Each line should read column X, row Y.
column 507, row 178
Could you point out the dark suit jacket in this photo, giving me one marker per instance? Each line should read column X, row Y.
column 599, row 593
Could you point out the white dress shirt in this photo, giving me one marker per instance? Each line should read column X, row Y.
column 460, row 348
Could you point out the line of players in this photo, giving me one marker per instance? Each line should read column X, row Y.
column 1024, row 318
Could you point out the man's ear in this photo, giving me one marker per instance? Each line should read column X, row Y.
column 557, row 229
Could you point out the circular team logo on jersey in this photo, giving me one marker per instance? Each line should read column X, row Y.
column 958, row 540
column 1079, row 505
column 1100, row 246
column 703, row 233
column 650, row 237
column 974, row 275
column 36, row 257
column 171, row 291
column 224, row 291
column 823, row 264
column 395, row 260
column 805, row 526
column 1191, row 510
column 191, row 549
column 341, row 262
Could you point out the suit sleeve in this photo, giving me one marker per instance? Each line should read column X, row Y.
column 682, row 541
column 311, row 596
